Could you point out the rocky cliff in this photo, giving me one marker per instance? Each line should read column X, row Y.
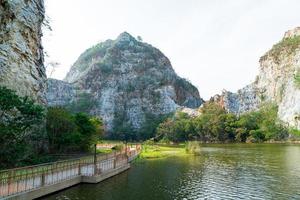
column 127, row 82
column 60, row 92
column 21, row 54
column 278, row 81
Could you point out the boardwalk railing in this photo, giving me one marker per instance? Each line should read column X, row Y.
column 19, row 180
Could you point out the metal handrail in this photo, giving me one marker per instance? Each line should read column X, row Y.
column 22, row 179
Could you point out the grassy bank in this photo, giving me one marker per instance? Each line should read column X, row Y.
column 162, row 151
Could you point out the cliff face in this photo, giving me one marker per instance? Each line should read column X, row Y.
column 60, row 92
column 278, row 81
column 246, row 99
column 21, row 55
column 127, row 81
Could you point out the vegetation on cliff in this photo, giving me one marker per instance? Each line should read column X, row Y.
column 297, row 79
column 127, row 82
column 285, row 47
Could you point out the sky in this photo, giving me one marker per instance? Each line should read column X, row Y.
column 215, row 44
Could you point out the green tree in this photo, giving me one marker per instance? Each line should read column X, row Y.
column 72, row 133
column 211, row 124
column 176, row 129
column 164, row 129
column 260, row 125
column 20, row 128
column 99, row 126
column 87, row 131
column 61, row 130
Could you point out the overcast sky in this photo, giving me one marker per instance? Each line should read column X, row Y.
column 216, row 44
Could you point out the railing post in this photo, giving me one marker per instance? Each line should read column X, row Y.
column 43, row 179
column 79, row 168
column 10, row 176
column 95, row 160
column 115, row 160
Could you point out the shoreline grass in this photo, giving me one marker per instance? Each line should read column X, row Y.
column 161, row 151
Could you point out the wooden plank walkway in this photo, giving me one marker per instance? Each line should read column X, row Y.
column 15, row 183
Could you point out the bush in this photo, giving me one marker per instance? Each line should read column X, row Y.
column 256, row 136
column 287, row 46
column 193, row 147
column 297, row 79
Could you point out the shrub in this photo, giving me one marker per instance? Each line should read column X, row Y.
column 256, row 136
column 294, row 132
column 193, row 147
column 105, row 68
column 297, row 79
column 287, row 46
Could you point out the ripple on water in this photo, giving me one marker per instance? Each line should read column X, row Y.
column 219, row 172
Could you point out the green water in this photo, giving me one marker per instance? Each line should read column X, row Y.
column 258, row 171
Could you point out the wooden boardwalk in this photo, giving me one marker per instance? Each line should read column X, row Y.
column 15, row 183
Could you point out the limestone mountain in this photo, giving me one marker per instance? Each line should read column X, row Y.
column 129, row 83
column 278, row 81
column 21, row 53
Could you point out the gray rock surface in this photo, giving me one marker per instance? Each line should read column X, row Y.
column 60, row 93
column 276, row 82
column 21, row 52
column 128, row 80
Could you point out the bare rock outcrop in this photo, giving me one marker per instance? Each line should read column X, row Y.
column 278, row 81
column 21, row 52
column 129, row 82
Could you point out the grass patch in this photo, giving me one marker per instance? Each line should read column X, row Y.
column 104, row 151
column 295, row 132
column 193, row 147
column 162, row 151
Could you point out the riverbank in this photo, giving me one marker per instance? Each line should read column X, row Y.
column 282, row 142
column 160, row 150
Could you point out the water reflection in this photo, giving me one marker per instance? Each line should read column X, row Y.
column 218, row 172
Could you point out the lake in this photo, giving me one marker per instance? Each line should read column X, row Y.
column 227, row 171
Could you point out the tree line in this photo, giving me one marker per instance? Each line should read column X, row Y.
column 215, row 124
column 29, row 132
